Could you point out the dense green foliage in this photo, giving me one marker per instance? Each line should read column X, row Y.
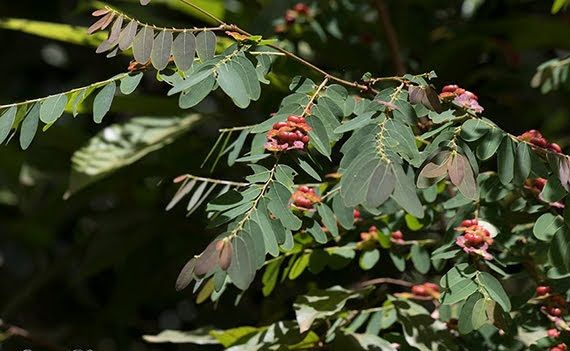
column 340, row 209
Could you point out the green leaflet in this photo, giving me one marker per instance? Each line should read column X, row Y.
column 261, row 217
column 368, row 259
column 553, row 191
column 299, row 266
column 466, row 314
column 254, row 231
column 317, row 233
column 183, row 50
column 328, row 217
column 160, row 53
column 459, row 291
column 344, row 214
column 279, row 196
column 52, row 108
column 523, row 164
column 198, row 92
column 197, row 76
column 318, row 304
column 248, row 75
column 319, row 137
column 474, row 129
column 206, row 45
column 306, row 166
column 547, row 225
column 29, row 126
column 355, row 123
column 405, row 193
column 489, row 144
column 495, row 290
column 142, row 44
column 6, row 121
column 368, row 181
column 506, row 161
column 130, row 83
column 420, row 259
column 231, row 83
column 402, row 140
column 242, row 267
column 103, row 101
column 271, row 275
column 559, row 251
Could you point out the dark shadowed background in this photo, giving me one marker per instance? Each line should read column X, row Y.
column 97, row 271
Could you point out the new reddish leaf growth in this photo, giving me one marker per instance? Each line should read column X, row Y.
column 475, row 239
column 461, row 97
column 426, row 290
column 305, row 198
column 289, row 135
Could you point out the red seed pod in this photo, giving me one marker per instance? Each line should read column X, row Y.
column 471, row 95
column 539, row 183
column 356, row 214
column 291, row 137
column 279, row 125
column 365, row 236
column 469, row 222
column 290, row 17
column 553, row 333
column 555, row 311
column 469, row 238
column 486, row 232
column 301, row 8
column 477, row 240
column 304, row 189
column 459, row 91
column 419, row 290
column 542, row 290
column 372, row 229
column 305, row 139
column 450, row 88
column 432, row 287
column 295, row 119
column 397, row 235
column 303, row 202
column 556, row 148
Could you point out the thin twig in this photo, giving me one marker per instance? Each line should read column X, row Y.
column 12, row 330
column 235, row 129
column 97, row 84
column 213, row 181
column 235, row 28
column 310, row 103
column 222, row 27
column 379, row 281
column 204, row 12
column 391, row 37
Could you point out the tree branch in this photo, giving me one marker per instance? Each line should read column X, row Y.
column 391, row 37
column 233, row 27
column 12, row 330
column 379, row 281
